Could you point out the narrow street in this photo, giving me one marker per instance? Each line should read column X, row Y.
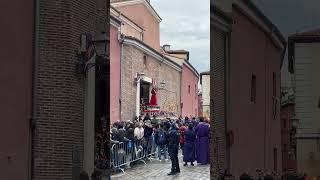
column 157, row 170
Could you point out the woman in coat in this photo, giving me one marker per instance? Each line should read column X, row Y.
column 189, row 146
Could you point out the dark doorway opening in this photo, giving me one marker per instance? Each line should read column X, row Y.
column 102, row 96
column 144, row 93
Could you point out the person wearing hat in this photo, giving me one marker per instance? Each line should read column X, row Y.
column 173, row 148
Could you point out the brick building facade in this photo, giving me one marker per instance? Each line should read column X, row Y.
column 49, row 139
column 141, row 53
column 219, row 49
column 138, row 57
column 60, row 139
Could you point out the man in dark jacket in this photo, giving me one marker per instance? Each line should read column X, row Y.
column 161, row 141
column 173, row 148
column 121, row 134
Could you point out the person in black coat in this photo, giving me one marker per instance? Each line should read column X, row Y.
column 121, row 135
column 173, row 148
column 148, row 130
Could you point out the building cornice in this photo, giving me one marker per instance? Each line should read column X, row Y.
column 151, row 52
column 115, row 21
column 256, row 16
column 184, row 62
column 134, row 2
column 189, row 65
column 204, row 74
column 125, row 19
column 219, row 19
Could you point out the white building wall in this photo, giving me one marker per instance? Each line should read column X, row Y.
column 307, row 74
column 205, row 88
column 307, row 88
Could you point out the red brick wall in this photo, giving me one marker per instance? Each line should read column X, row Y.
column 16, row 54
column 60, row 90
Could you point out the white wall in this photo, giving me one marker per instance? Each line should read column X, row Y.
column 205, row 88
column 307, row 64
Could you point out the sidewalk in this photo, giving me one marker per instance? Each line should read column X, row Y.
column 157, row 170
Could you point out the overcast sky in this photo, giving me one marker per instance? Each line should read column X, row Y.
column 291, row 16
column 186, row 25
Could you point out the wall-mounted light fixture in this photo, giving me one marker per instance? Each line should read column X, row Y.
column 90, row 47
column 100, row 44
column 162, row 84
column 139, row 76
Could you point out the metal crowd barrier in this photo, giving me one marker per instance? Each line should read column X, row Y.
column 124, row 153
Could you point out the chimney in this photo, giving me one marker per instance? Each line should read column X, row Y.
column 166, row 47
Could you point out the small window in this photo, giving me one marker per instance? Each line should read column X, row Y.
column 189, row 89
column 145, row 61
column 274, row 84
column 253, row 88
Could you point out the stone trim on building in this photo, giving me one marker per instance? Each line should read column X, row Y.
column 142, row 46
column 133, row 2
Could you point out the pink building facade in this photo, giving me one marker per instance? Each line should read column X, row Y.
column 189, row 90
column 115, row 54
column 254, row 91
column 17, row 56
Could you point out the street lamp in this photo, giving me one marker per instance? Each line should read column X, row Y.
column 139, row 76
column 89, row 47
column 162, row 84
column 100, row 44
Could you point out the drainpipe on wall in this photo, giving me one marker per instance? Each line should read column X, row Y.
column 265, row 107
column 34, row 83
column 181, row 91
column 121, row 39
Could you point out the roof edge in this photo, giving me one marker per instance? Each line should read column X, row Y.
column 264, row 19
column 217, row 11
column 153, row 50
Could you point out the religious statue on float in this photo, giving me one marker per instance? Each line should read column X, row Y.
column 153, row 100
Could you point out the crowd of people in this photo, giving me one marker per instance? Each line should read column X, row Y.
column 191, row 135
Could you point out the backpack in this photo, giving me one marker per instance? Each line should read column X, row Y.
column 162, row 137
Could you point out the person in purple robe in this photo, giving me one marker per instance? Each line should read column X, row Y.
column 189, row 146
column 202, row 142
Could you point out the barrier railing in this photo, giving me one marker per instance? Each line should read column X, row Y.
column 124, row 153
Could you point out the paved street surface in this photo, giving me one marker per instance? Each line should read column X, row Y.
column 157, row 170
